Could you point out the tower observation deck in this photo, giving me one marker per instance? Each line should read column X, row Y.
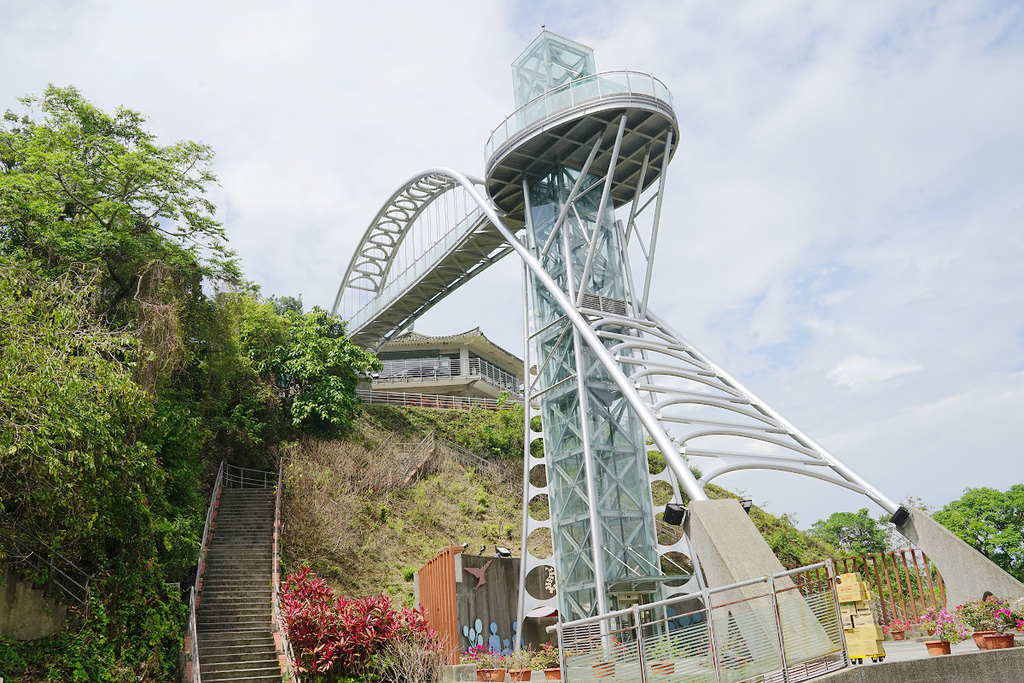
column 574, row 183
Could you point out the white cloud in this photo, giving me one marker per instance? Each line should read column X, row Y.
column 857, row 373
column 848, row 191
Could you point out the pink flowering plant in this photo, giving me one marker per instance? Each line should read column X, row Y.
column 896, row 626
column 928, row 620
column 1002, row 619
column 980, row 614
column 483, row 657
column 950, row 628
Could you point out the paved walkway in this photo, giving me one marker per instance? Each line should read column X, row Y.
column 905, row 650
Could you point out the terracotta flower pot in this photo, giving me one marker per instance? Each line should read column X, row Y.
column 490, row 674
column 604, row 670
column 553, row 674
column 998, row 641
column 938, row 647
column 519, row 674
column 899, row 635
column 979, row 639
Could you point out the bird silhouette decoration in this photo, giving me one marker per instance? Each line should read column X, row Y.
column 479, row 574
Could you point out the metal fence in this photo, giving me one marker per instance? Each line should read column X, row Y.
column 905, row 583
column 435, row 369
column 767, row 629
column 228, row 476
column 288, row 661
column 436, row 401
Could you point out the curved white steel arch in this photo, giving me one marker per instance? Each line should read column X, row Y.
column 372, row 261
column 385, row 300
column 645, row 337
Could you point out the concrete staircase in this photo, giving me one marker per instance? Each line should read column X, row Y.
column 234, row 618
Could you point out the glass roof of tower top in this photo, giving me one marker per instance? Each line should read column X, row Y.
column 548, row 62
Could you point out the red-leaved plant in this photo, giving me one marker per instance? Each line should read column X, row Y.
column 334, row 636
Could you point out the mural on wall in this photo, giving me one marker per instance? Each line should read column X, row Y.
column 486, row 593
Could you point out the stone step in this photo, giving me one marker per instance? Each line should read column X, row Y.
column 233, row 617
column 236, row 602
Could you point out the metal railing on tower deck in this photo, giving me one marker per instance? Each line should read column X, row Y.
column 766, row 629
column 586, row 89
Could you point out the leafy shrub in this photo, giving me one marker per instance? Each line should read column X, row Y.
column 336, row 637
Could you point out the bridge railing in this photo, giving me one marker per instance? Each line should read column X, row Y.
column 360, row 306
column 586, row 89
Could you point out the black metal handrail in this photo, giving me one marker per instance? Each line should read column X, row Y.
column 63, row 577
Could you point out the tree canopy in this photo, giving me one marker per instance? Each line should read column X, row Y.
column 854, row 532
column 133, row 357
column 80, row 185
column 992, row 522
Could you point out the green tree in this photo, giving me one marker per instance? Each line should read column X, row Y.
column 313, row 365
column 81, row 186
column 70, row 412
column 855, row 532
column 992, row 522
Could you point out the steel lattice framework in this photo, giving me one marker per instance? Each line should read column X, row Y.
column 604, row 372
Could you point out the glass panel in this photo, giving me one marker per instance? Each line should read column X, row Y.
column 549, row 61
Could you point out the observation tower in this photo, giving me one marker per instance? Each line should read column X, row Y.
column 574, row 183
column 579, row 146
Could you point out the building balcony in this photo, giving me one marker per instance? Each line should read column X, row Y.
column 447, row 375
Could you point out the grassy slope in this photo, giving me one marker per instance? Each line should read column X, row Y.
column 350, row 517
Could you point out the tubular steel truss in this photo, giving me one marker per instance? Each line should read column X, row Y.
column 429, row 239
column 671, row 383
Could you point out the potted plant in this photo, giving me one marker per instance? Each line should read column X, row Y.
column 547, row 658
column 897, row 628
column 949, row 629
column 489, row 665
column 927, row 621
column 1002, row 619
column 978, row 615
column 519, row 664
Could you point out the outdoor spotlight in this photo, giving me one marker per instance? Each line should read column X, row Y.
column 502, row 552
column 374, row 376
column 675, row 513
column 745, row 504
column 482, row 549
column 465, row 545
column 900, row 517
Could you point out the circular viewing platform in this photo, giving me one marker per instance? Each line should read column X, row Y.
column 561, row 126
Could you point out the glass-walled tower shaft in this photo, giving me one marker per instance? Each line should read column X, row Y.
column 602, row 519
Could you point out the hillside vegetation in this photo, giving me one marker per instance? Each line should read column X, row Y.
column 134, row 357
column 351, row 515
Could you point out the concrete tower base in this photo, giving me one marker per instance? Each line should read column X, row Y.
column 731, row 550
column 967, row 574
column 729, row 546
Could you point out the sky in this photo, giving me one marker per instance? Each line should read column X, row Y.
column 843, row 228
